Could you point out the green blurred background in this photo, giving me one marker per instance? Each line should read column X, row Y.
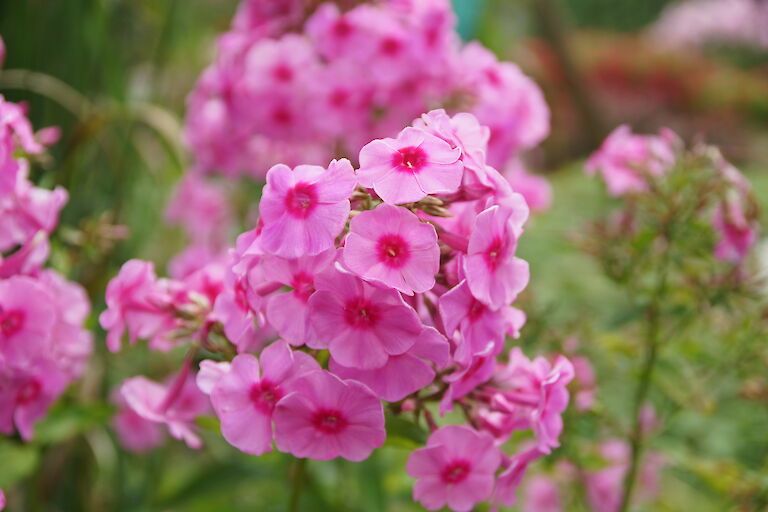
column 114, row 74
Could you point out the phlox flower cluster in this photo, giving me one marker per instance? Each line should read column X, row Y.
column 299, row 85
column 43, row 345
column 383, row 287
column 629, row 163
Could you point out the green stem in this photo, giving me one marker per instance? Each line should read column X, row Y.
column 646, row 375
column 299, row 469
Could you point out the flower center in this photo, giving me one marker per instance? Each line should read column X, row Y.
column 282, row 115
column 329, row 421
column 282, row 73
column 456, row 471
column 390, row 46
column 342, row 29
column 338, row 98
column 11, row 322
column 29, row 392
column 393, row 250
column 494, row 254
column 360, row 313
column 476, row 309
column 410, row 159
column 301, row 199
column 303, row 286
column 264, row 395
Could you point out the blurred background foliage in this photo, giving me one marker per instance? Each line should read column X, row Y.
column 113, row 74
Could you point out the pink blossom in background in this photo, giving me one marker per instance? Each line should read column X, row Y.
column 494, row 275
column 535, row 189
column 362, row 325
column 209, row 373
column 541, row 495
column 305, row 209
column 736, row 233
column 135, row 433
column 244, row 398
column 392, row 246
column 455, row 469
column 406, row 169
column 326, row 417
column 27, row 317
column 202, row 209
column 626, row 161
column 175, row 404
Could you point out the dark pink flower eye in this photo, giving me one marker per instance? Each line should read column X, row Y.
column 329, row 421
column 409, row 159
column 390, row 46
column 394, row 251
column 456, row 471
column 264, row 395
column 11, row 322
column 361, row 313
column 303, row 285
column 282, row 73
column 301, row 199
column 29, row 392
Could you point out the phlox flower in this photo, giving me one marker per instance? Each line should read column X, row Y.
column 392, row 246
column 404, row 374
column 27, row 318
column 455, row 469
column 494, row 275
column 2, row 494
column 479, row 324
column 361, row 324
column 626, row 160
column 202, row 209
column 537, row 392
column 244, row 398
column 509, row 480
column 736, row 234
column 461, row 131
column 135, row 302
column 175, row 404
column 26, row 392
column 288, row 312
column 305, row 209
column 408, row 168
column 542, row 495
column 466, row 378
column 326, row 417
column 209, row 373
column 135, row 433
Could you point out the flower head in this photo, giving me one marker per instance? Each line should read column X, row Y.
column 408, row 168
column 392, row 246
column 305, row 209
column 456, row 468
column 326, row 417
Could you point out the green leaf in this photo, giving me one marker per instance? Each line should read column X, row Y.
column 67, row 420
column 209, row 423
column 19, row 461
column 403, row 433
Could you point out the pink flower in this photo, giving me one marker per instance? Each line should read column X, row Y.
column 175, row 405
column 202, row 208
column 135, row 302
column 542, row 495
column 509, row 480
column 407, row 169
column 135, row 433
column 27, row 318
column 536, row 393
column 326, row 417
column 209, row 373
column 392, row 246
column 626, row 160
column 479, row 324
column 26, row 393
column 494, row 275
column 535, row 189
column 2, row 494
column 288, row 312
column 362, row 325
column 304, row 210
column 736, row 233
column 455, row 469
column 245, row 397
column 404, row 374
